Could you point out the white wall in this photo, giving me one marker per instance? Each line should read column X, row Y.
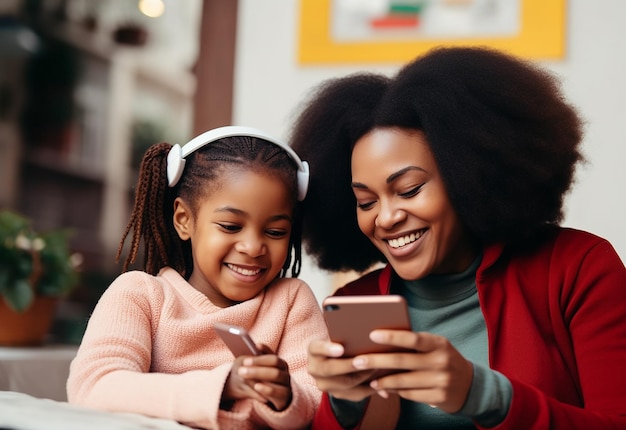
column 269, row 85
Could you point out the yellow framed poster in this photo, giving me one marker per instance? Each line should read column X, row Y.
column 396, row 31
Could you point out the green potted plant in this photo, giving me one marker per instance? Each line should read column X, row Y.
column 36, row 269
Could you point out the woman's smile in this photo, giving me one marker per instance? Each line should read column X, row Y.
column 403, row 205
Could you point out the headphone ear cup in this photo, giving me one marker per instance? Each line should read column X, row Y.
column 303, row 180
column 175, row 165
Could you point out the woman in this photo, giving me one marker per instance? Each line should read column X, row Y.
column 453, row 173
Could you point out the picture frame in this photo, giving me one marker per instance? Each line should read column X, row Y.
column 540, row 34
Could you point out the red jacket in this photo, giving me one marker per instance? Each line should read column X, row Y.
column 556, row 326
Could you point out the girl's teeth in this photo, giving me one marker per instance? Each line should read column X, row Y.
column 245, row 272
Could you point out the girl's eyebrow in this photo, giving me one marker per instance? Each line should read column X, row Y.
column 281, row 217
column 229, row 209
column 391, row 177
column 239, row 212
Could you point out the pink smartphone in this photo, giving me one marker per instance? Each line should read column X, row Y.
column 237, row 339
column 350, row 319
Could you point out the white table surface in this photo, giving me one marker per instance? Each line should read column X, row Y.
column 19, row 411
column 40, row 371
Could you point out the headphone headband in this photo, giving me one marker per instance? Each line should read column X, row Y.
column 176, row 156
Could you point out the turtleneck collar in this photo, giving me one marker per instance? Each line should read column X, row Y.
column 444, row 288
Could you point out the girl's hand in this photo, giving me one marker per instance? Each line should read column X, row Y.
column 264, row 378
column 435, row 374
column 335, row 375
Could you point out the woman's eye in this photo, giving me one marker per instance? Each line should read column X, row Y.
column 365, row 206
column 412, row 191
column 231, row 228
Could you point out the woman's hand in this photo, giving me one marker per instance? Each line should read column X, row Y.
column 435, row 374
column 336, row 375
column 264, row 378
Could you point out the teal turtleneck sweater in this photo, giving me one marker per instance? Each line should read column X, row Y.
column 448, row 305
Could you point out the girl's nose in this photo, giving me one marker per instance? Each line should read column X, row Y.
column 252, row 245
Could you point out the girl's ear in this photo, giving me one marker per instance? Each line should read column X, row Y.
column 183, row 221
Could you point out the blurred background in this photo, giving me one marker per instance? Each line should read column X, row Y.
column 87, row 85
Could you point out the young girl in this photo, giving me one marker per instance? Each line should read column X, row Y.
column 219, row 222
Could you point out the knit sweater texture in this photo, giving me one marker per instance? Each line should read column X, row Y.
column 150, row 348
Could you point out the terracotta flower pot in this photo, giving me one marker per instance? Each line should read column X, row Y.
column 30, row 327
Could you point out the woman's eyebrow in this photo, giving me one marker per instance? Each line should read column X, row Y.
column 391, row 177
column 359, row 185
column 401, row 172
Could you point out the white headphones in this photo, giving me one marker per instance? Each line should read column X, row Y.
column 176, row 156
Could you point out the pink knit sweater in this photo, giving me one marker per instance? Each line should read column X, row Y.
column 150, row 348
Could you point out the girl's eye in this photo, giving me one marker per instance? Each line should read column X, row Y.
column 277, row 234
column 230, row 228
column 412, row 192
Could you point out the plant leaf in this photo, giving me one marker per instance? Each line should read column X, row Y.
column 20, row 297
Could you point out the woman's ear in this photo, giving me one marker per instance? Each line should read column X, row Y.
column 183, row 221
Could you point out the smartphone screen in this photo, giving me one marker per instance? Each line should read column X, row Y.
column 237, row 339
column 350, row 319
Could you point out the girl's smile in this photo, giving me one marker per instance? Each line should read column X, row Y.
column 240, row 236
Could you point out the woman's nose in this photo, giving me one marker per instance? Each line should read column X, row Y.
column 389, row 214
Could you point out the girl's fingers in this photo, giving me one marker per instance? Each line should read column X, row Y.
column 271, row 391
column 266, row 360
column 269, row 374
column 278, row 395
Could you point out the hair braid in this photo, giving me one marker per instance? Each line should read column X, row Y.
column 153, row 209
column 135, row 222
column 156, row 227
column 148, row 219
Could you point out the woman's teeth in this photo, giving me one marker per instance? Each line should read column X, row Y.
column 405, row 240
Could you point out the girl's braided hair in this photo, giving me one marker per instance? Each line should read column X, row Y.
column 151, row 217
